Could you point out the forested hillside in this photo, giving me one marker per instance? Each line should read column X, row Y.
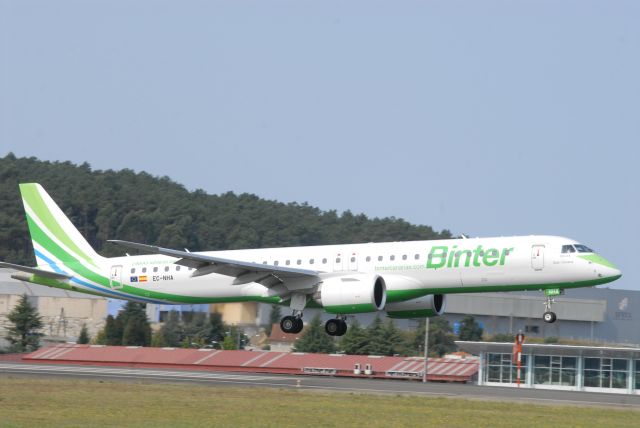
column 155, row 210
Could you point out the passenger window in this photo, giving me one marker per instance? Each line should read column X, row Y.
column 417, row 257
column 299, row 262
column 338, row 259
column 392, row 258
column 166, row 268
column 264, row 262
column 144, row 270
column 368, row 258
column 568, row 249
column 404, row 257
column 380, row 258
column 324, row 261
column 288, row 262
column 155, row 269
column 311, row 261
column 177, row 268
column 353, row 259
column 133, row 270
column 276, row 263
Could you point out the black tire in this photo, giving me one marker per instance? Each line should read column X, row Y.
column 332, row 327
column 343, row 328
column 299, row 325
column 288, row 324
column 549, row 317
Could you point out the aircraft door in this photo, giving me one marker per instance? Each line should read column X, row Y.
column 537, row 257
column 115, row 279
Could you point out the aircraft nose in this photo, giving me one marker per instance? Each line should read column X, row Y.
column 604, row 267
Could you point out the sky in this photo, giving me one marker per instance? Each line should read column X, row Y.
column 487, row 118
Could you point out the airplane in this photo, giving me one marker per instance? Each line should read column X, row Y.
column 404, row 279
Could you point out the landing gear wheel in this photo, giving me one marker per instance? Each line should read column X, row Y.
column 343, row 328
column 335, row 327
column 549, row 317
column 291, row 324
column 299, row 325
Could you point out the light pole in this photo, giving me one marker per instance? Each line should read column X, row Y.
column 426, row 349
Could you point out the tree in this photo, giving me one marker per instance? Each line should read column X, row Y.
column 377, row 343
column 84, row 338
column 197, row 330
column 23, row 334
column 274, row 318
column 170, row 334
column 470, row 330
column 229, row 343
column 235, row 338
column 112, row 332
column 156, row 209
column 314, row 339
column 136, row 328
column 217, row 329
column 137, row 332
column 393, row 338
column 355, row 339
column 441, row 337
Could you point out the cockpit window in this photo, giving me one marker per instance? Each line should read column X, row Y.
column 568, row 249
column 583, row 248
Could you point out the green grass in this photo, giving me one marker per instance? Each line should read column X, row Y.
column 61, row 402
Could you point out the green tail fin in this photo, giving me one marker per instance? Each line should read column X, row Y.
column 53, row 235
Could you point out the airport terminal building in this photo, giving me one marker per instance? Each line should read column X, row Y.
column 560, row 367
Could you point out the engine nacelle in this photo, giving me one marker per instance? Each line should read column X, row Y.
column 426, row 306
column 352, row 294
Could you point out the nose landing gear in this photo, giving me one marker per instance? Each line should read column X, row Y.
column 549, row 316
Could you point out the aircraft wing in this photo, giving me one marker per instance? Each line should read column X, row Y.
column 35, row 271
column 244, row 272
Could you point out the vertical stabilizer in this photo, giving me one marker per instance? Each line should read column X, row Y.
column 55, row 239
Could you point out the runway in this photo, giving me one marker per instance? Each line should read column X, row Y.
column 327, row 384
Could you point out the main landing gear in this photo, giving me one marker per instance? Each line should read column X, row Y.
column 292, row 323
column 336, row 327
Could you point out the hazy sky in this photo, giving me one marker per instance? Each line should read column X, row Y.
column 483, row 117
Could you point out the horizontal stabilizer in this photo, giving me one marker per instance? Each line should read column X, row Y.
column 35, row 271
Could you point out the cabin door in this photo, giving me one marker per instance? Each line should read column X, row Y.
column 537, row 257
column 115, row 279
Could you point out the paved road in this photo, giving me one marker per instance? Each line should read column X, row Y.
column 375, row 386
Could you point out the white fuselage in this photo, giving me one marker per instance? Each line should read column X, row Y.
column 410, row 269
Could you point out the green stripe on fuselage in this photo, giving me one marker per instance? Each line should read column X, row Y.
column 595, row 258
column 80, row 270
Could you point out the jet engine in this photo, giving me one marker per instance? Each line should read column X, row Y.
column 430, row 305
column 352, row 294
